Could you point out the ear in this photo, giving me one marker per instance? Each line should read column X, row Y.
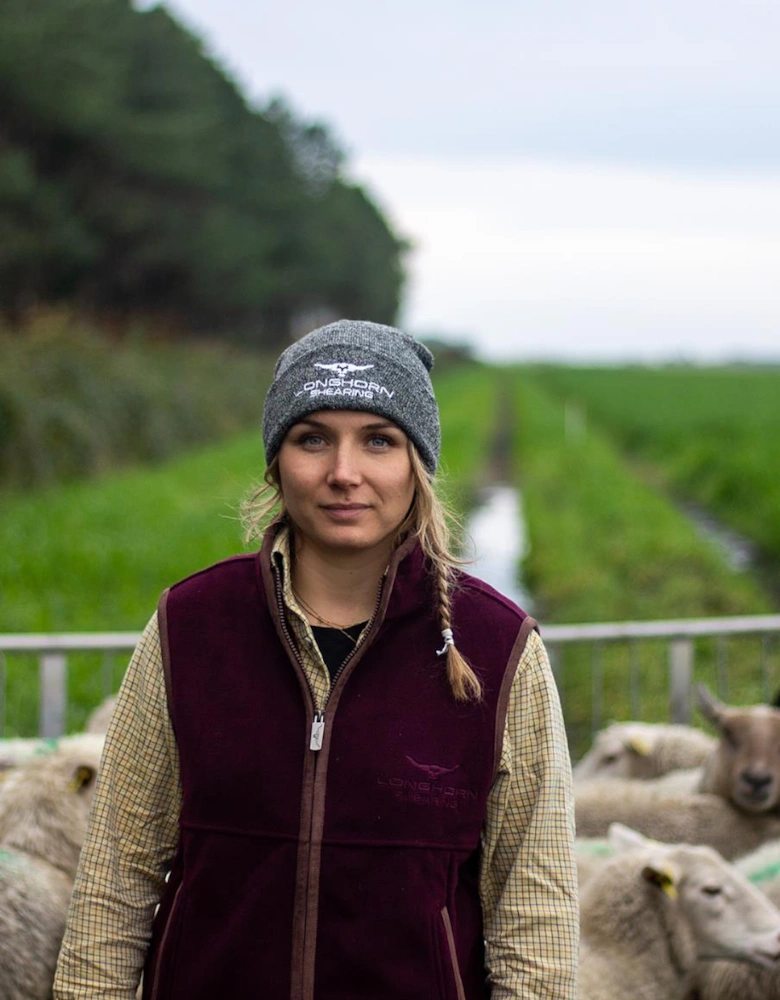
column 710, row 707
column 83, row 776
column 624, row 838
column 640, row 745
column 663, row 876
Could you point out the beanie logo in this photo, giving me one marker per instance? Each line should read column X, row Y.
column 338, row 384
column 343, row 368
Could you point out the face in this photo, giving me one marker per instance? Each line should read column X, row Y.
column 347, row 480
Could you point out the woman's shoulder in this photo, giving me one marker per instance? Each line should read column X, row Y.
column 231, row 566
column 473, row 592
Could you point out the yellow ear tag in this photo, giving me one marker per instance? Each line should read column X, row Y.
column 666, row 882
column 640, row 746
column 81, row 778
column 663, row 878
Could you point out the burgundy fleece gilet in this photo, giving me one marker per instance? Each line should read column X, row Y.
column 345, row 872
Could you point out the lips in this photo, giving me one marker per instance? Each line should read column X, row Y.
column 345, row 511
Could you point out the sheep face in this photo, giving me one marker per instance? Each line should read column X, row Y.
column 616, row 753
column 725, row 914
column 45, row 802
column 745, row 767
column 643, row 750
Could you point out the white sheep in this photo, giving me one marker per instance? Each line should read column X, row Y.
column 724, row 980
column 591, row 854
column 44, row 806
column 745, row 765
column 762, row 868
column 686, row 781
column 16, row 750
column 643, row 750
column 655, row 907
column 675, row 818
column 730, row 980
column 100, row 718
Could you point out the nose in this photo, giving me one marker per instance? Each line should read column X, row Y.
column 757, row 781
column 344, row 471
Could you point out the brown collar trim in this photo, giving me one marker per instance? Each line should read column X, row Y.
column 526, row 628
column 162, row 623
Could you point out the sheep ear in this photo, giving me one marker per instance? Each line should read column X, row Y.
column 624, row 838
column 710, row 707
column 82, row 778
column 663, row 876
column 639, row 745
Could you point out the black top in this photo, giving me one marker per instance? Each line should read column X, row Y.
column 335, row 645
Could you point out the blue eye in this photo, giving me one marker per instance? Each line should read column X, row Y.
column 311, row 439
column 381, row 442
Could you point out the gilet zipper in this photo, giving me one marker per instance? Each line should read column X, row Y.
column 318, row 723
column 317, row 734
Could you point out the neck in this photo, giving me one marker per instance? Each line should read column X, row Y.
column 342, row 587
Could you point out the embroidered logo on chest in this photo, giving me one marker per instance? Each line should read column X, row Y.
column 432, row 771
column 430, row 790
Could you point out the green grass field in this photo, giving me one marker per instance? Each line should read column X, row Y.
column 709, row 435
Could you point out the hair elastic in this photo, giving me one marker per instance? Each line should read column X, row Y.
column 446, row 634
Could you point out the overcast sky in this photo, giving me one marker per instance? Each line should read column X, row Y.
column 580, row 180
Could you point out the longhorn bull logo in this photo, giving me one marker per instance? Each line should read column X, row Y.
column 433, row 771
column 342, row 368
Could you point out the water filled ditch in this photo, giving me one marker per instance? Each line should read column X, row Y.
column 497, row 541
column 739, row 552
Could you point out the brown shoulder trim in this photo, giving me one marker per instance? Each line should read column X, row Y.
column 526, row 628
column 162, row 623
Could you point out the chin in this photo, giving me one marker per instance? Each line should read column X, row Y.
column 351, row 540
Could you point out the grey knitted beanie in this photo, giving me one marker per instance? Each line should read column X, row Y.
column 355, row 365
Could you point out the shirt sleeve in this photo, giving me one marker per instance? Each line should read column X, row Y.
column 132, row 836
column 528, row 878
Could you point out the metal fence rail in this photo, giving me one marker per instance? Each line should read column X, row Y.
column 52, row 651
column 680, row 635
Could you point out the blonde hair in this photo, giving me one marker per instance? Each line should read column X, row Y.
column 429, row 520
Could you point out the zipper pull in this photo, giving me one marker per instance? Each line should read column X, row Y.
column 317, row 731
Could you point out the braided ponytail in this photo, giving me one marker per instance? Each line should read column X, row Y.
column 429, row 519
column 464, row 683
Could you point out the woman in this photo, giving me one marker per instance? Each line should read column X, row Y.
column 346, row 756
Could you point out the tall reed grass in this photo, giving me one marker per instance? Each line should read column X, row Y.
column 75, row 403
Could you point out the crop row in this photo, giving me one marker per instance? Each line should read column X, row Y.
column 708, row 435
